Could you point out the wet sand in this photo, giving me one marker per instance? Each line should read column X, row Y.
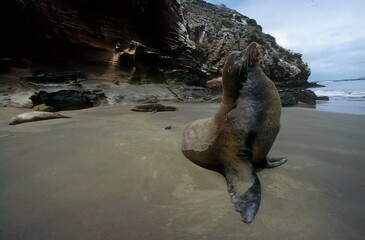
column 110, row 173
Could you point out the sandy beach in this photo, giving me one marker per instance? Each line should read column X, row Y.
column 110, row 173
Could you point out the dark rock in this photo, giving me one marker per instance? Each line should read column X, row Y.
column 323, row 98
column 69, row 99
column 288, row 100
column 291, row 97
column 307, row 96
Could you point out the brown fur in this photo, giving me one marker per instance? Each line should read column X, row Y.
column 241, row 132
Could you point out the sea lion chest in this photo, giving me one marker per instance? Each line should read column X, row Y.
column 255, row 121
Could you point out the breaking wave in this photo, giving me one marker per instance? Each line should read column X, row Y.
column 340, row 93
column 346, row 89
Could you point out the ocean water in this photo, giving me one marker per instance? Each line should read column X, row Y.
column 345, row 96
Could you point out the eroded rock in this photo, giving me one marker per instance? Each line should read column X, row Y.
column 69, row 99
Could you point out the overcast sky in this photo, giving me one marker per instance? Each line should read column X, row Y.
column 329, row 33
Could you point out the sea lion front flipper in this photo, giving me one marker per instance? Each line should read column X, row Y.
column 243, row 185
column 275, row 162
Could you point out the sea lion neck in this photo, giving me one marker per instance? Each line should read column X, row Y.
column 235, row 77
column 235, row 72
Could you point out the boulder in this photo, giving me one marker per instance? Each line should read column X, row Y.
column 291, row 97
column 69, row 99
column 288, row 100
column 323, row 98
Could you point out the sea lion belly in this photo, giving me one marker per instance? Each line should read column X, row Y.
column 258, row 114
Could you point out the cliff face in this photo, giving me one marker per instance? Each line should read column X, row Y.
column 219, row 30
column 193, row 36
column 46, row 30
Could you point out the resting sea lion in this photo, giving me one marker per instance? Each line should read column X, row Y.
column 241, row 133
column 34, row 116
column 153, row 107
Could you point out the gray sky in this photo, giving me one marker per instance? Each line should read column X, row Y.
column 329, row 33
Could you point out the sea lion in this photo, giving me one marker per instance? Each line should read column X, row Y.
column 241, row 133
column 153, row 107
column 34, row 116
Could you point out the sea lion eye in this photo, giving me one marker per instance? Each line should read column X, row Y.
column 238, row 57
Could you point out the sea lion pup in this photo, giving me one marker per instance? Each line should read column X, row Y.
column 34, row 116
column 241, row 133
column 153, row 107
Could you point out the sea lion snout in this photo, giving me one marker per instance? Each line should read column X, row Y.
column 249, row 55
column 252, row 53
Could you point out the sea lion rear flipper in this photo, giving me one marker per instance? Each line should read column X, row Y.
column 275, row 162
column 244, row 186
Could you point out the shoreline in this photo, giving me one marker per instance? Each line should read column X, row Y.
column 344, row 106
column 13, row 93
column 110, row 173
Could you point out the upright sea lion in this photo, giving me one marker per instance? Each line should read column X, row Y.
column 34, row 116
column 241, row 133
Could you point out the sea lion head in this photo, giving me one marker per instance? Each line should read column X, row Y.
column 236, row 68
column 14, row 120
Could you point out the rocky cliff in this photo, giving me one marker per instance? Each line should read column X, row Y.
column 52, row 30
column 217, row 30
column 180, row 40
